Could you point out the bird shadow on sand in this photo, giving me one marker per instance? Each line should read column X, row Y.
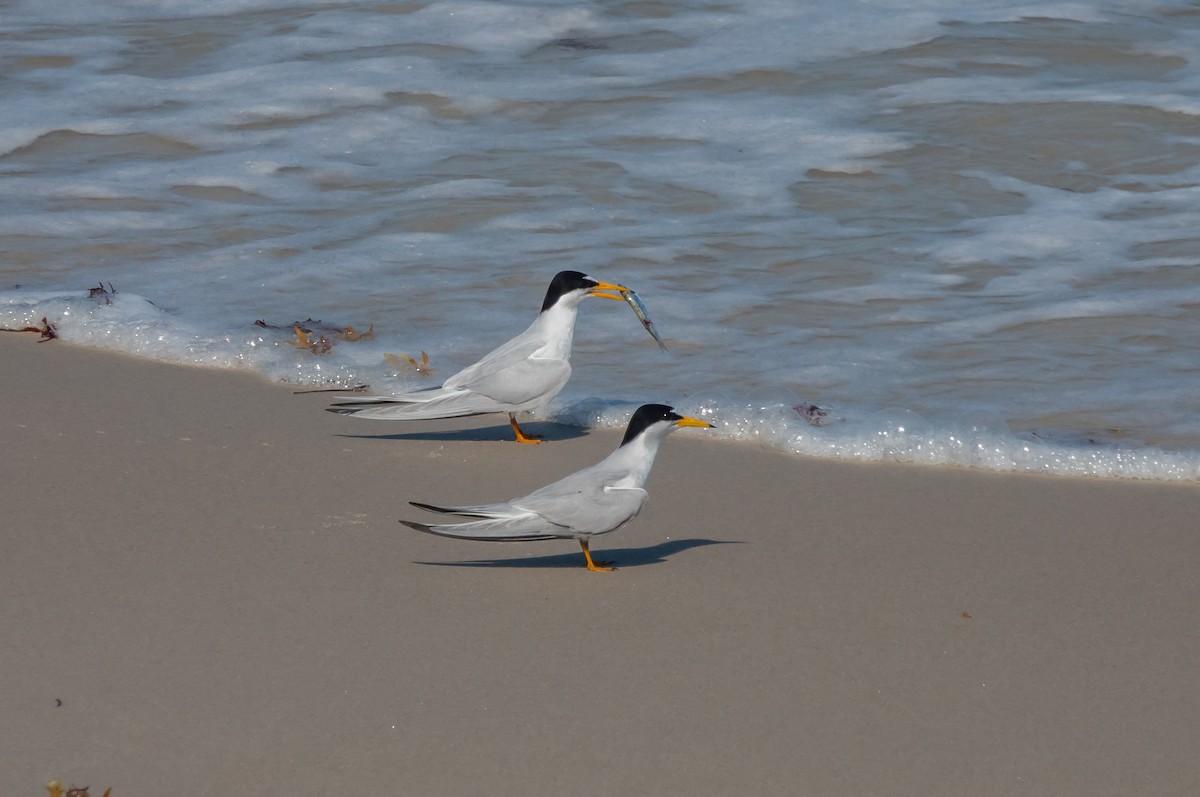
column 550, row 432
column 620, row 557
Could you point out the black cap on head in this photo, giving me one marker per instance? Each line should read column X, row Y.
column 646, row 416
column 563, row 283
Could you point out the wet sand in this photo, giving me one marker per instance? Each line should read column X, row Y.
column 206, row 591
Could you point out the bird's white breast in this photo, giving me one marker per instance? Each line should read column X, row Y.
column 556, row 328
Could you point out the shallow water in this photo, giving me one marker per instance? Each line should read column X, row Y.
column 954, row 232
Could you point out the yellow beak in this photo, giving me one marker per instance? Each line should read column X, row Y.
column 688, row 421
column 608, row 286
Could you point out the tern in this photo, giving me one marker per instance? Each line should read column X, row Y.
column 595, row 500
column 523, row 374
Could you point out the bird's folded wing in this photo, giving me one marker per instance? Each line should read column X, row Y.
column 519, row 348
column 511, row 376
column 590, row 508
column 525, row 381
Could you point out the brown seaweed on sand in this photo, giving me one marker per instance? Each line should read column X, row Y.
column 350, row 335
column 401, row 362
column 56, row 790
column 100, row 292
column 300, row 334
column 47, row 330
column 322, row 345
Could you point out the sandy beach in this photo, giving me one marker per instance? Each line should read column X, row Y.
column 205, row 591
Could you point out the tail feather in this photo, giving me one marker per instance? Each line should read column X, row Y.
column 415, row 396
column 461, row 511
column 519, row 528
column 437, row 404
column 341, row 409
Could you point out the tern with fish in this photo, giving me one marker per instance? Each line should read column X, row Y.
column 523, row 374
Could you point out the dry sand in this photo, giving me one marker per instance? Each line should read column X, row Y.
column 205, row 591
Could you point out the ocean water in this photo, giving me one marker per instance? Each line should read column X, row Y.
column 937, row 232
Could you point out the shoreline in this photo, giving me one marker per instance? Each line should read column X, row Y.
column 209, row 573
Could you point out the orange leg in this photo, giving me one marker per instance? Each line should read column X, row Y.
column 595, row 567
column 521, row 436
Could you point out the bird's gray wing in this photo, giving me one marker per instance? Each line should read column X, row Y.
column 503, row 356
column 585, row 501
column 509, row 375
